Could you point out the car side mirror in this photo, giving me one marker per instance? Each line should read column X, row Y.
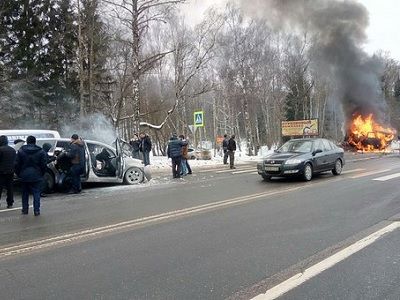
column 317, row 151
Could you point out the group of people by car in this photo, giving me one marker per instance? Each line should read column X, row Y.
column 141, row 147
column 29, row 164
column 177, row 150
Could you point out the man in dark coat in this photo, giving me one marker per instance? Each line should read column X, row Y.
column 135, row 143
column 231, row 151
column 225, row 148
column 45, row 188
column 30, row 168
column 145, row 148
column 174, row 152
column 7, row 168
column 76, row 153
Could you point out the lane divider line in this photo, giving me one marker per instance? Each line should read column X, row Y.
column 244, row 171
column 352, row 171
column 388, row 177
column 230, row 170
column 370, row 173
column 224, row 168
column 309, row 273
column 13, row 209
column 88, row 233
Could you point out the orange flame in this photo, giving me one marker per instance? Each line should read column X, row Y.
column 365, row 134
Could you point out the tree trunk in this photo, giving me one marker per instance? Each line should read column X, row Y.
column 82, row 104
column 135, row 66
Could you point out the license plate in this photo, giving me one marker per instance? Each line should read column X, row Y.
column 273, row 169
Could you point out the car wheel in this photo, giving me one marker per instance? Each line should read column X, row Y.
column 49, row 182
column 266, row 177
column 133, row 176
column 338, row 167
column 308, row 172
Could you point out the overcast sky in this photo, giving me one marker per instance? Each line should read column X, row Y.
column 383, row 31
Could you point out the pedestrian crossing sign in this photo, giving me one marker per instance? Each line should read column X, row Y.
column 198, row 119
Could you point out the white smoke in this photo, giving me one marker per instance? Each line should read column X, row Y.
column 93, row 127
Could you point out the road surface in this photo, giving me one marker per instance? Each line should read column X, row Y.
column 214, row 235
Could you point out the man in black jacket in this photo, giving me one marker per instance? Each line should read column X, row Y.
column 77, row 155
column 145, row 148
column 7, row 166
column 225, row 148
column 231, row 151
column 31, row 166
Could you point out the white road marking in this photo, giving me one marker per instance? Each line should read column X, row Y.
column 327, row 263
column 352, row 171
column 12, row 209
column 370, row 173
column 244, row 171
column 91, row 233
column 211, row 170
column 231, row 170
column 222, row 169
column 388, row 177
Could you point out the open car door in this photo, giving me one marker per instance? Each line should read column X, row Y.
column 120, row 158
column 87, row 162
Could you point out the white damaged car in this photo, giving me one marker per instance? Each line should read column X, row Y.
column 119, row 167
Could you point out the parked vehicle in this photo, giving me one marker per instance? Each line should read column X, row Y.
column 191, row 153
column 203, row 154
column 118, row 168
column 15, row 134
column 303, row 157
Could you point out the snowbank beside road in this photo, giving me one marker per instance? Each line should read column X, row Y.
column 163, row 163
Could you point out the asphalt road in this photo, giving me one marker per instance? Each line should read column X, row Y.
column 214, row 235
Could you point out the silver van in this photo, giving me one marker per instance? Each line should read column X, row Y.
column 22, row 134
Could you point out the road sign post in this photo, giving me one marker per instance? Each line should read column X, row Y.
column 198, row 118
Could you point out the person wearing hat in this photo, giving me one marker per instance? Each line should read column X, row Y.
column 18, row 143
column 7, row 164
column 77, row 155
column 30, row 168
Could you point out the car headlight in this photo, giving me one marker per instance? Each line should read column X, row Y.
column 293, row 161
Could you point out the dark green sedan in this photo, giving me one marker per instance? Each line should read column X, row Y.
column 303, row 158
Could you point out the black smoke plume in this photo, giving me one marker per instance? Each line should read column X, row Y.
column 339, row 30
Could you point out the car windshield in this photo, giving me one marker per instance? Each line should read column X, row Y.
column 296, row 146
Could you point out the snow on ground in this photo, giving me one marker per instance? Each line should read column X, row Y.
column 160, row 163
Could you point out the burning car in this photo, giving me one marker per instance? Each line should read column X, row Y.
column 118, row 167
column 367, row 135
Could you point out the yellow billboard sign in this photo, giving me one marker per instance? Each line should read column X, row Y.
column 300, row 128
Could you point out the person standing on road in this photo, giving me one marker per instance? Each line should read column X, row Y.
column 145, row 148
column 174, row 152
column 231, row 151
column 45, row 188
column 7, row 167
column 77, row 155
column 184, row 169
column 30, row 168
column 135, row 143
column 225, row 148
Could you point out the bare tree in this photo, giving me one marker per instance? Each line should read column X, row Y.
column 137, row 15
